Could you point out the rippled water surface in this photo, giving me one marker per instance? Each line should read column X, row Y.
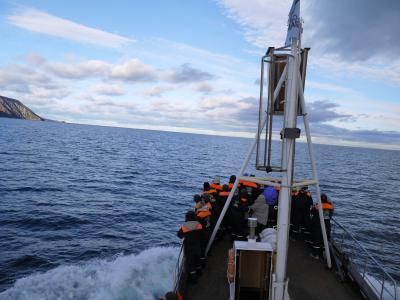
column 80, row 204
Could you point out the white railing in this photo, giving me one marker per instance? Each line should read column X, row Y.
column 383, row 285
column 179, row 269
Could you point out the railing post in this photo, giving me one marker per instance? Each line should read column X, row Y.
column 365, row 266
column 383, row 285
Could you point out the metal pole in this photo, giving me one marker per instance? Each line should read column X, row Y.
column 314, row 171
column 260, row 109
column 244, row 165
column 228, row 201
column 287, row 174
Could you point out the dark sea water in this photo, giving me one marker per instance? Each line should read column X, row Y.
column 89, row 212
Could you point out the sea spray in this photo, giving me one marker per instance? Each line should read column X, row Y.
column 147, row 275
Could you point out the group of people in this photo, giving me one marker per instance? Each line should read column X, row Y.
column 305, row 219
column 249, row 200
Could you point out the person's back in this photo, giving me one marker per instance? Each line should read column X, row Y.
column 251, row 188
column 213, row 206
column 237, row 217
column 223, row 195
column 316, row 233
column 271, row 198
column 259, row 210
column 232, row 180
column 192, row 232
column 302, row 204
column 216, row 184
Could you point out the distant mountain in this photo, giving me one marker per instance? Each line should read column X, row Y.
column 11, row 108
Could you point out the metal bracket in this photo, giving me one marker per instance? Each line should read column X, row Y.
column 291, row 133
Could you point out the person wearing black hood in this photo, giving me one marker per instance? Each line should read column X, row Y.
column 208, row 190
column 302, row 203
column 316, row 233
column 192, row 232
column 232, row 180
column 238, row 214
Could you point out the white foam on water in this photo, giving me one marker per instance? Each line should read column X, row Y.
column 148, row 275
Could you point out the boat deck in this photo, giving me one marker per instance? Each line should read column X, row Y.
column 212, row 284
column 308, row 277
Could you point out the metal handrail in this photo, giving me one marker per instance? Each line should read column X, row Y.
column 178, row 269
column 369, row 259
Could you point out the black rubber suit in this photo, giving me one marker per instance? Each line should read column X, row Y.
column 302, row 204
column 327, row 210
column 192, row 232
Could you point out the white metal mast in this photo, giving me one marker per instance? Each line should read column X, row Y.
column 291, row 79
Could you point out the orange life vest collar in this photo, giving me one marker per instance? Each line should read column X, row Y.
column 203, row 214
column 211, row 191
column 325, row 206
column 190, row 226
column 216, row 187
column 249, row 184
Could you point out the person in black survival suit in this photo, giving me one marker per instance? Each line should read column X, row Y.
column 208, row 190
column 223, row 196
column 251, row 188
column 203, row 213
column 302, row 204
column 231, row 182
column 238, row 214
column 316, row 233
column 192, row 232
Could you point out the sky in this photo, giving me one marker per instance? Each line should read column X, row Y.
column 194, row 66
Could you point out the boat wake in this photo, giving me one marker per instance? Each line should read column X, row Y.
column 147, row 275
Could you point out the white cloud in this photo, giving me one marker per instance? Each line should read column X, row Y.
column 108, row 89
column 186, row 73
column 134, row 70
column 20, row 78
column 42, row 93
column 224, row 102
column 156, row 91
column 42, row 22
column 80, row 70
column 263, row 22
column 328, row 87
column 203, row 87
column 264, row 25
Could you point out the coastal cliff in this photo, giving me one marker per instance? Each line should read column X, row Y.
column 11, row 108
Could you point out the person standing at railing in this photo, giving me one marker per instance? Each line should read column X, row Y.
column 302, row 204
column 192, row 232
column 327, row 210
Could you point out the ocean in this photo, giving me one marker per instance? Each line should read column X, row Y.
column 91, row 212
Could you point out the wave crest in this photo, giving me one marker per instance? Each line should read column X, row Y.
column 147, row 275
